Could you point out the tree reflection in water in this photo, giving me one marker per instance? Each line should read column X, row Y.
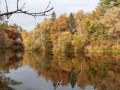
column 100, row 71
column 9, row 59
column 64, row 69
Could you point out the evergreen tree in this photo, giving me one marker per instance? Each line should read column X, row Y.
column 71, row 24
column 53, row 16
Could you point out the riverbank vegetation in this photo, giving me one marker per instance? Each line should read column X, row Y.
column 98, row 31
column 10, row 36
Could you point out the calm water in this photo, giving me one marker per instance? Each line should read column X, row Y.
column 58, row 71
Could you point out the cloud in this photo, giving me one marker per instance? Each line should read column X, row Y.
column 60, row 7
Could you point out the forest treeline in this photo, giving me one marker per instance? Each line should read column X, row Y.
column 95, row 31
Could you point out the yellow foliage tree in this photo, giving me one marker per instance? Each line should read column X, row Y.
column 78, row 42
column 64, row 41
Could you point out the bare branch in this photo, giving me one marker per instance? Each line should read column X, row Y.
column 23, row 6
column 8, row 14
column 48, row 6
column 6, row 6
column 42, row 12
column 17, row 4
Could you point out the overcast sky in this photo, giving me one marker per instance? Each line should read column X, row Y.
column 60, row 7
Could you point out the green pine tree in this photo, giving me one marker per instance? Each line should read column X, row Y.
column 71, row 23
column 53, row 16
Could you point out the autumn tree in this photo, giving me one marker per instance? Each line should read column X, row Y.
column 111, row 19
column 89, row 27
column 27, row 40
column 80, row 15
column 4, row 40
column 40, row 39
column 106, row 4
column 111, row 22
column 78, row 42
column 64, row 41
column 59, row 26
column 25, row 35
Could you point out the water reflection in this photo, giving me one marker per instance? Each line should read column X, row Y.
column 59, row 71
column 9, row 59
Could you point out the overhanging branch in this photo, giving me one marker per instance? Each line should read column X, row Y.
column 20, row 10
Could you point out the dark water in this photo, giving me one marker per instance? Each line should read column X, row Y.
column 59, row 71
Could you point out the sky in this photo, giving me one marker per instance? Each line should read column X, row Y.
column 60, row 6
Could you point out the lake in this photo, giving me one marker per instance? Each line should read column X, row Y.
column 58, row 71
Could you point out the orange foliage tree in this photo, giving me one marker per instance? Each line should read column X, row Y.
column 59, row 25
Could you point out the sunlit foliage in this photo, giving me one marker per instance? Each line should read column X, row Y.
column 64, row 41
column 59, row 26
column 78, row 42
column 39, row 39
